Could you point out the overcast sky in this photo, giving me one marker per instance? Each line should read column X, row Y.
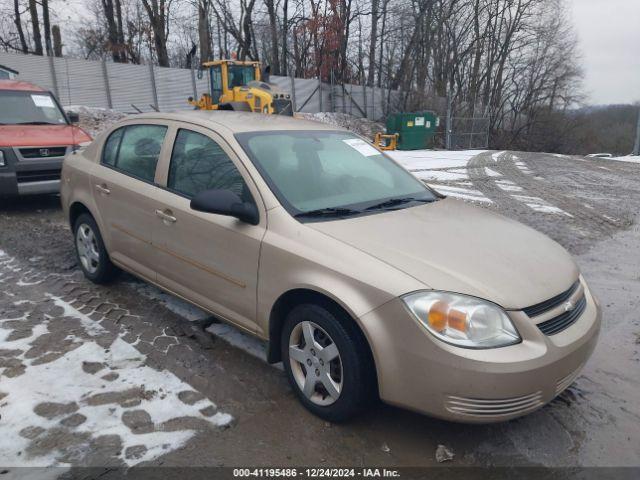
column 609, row 32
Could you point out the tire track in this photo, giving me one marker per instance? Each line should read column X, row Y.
column 556, row 183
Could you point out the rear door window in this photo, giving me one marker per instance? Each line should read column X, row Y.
column 135, row 150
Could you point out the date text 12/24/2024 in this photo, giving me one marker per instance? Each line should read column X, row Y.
column 318, row 472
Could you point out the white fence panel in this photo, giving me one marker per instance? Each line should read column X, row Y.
column 174, row 86
column 80, row 82
column 32, row 68
column 130, row 84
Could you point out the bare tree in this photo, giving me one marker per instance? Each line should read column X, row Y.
column 57, row 41
column 157, row 11
column 204, row 29
column 375, row 15
column 113, row 18
column 274, row 57
column 17, row 20
column 35, row 24
column 47, row 27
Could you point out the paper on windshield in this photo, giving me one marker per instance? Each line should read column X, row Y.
column 362, row 147
column 43, row 101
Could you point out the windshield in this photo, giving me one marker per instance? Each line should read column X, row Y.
column 330, row 173
column 17, row 107
column 240, row 75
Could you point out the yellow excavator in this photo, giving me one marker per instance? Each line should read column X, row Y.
column 242, row 86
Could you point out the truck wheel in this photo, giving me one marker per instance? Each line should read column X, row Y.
column 92, row 256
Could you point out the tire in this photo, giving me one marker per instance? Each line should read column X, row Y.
column 353, row 374
column 90, row 251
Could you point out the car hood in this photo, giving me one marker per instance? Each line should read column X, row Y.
column 41, row 135
column 452, row 246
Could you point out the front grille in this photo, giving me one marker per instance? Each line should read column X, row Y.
column 476, row 407
column 564, row 320
column 42, row 152
column 542, row 307
column 38, row 175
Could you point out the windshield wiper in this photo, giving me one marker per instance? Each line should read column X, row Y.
column 393, row 202
column 328, row 212
column 37, row 123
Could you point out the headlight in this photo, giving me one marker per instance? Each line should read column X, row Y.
column 461, row 320
column 3, row 162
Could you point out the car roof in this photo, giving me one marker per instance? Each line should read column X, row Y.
column 19, row 85
column 236, row 122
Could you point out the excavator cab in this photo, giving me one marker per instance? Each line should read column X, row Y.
column 237, row 85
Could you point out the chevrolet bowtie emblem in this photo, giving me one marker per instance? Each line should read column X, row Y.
column 569, row 306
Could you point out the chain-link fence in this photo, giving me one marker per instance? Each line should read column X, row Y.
column 468, row 133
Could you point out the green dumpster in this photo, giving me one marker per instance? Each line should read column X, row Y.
column 415, row 129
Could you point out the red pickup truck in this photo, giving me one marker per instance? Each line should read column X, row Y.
column 35, row 135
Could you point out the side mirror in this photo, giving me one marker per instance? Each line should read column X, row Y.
column 225, row 202
column 73, row 117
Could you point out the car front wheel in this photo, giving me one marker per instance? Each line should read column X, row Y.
column 326, row 362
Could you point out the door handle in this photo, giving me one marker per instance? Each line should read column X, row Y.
column 103, row 189
column 166, row 216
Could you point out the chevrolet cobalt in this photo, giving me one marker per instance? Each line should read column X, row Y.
column 364, row 282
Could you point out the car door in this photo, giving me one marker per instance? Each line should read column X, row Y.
column 209, row 259
column 124, row 189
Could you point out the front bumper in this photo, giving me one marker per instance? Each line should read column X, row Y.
column 419, row 372
column 23, row 176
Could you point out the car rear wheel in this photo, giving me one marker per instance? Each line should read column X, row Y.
column 326, row 362
column 92, row 255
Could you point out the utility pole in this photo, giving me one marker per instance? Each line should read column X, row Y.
column 636, row 147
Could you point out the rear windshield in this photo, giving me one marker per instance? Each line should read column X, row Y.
column 29, row 108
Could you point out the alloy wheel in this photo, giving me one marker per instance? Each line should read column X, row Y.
column 87, row 246
column 315, row 363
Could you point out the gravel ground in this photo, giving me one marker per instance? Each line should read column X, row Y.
column 148, row 371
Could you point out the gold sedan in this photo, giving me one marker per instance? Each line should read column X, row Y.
column 364, row 282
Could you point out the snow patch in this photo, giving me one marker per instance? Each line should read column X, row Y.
column 539, row 205
column 508, row 186
column 95, row 120
column 462, row 193
column 491, row 173
column 64, row 381
column 92, row 328
column 431, row 159
column 523, row 168
column 439, row 175
column 496, row 156
column 628, row 158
